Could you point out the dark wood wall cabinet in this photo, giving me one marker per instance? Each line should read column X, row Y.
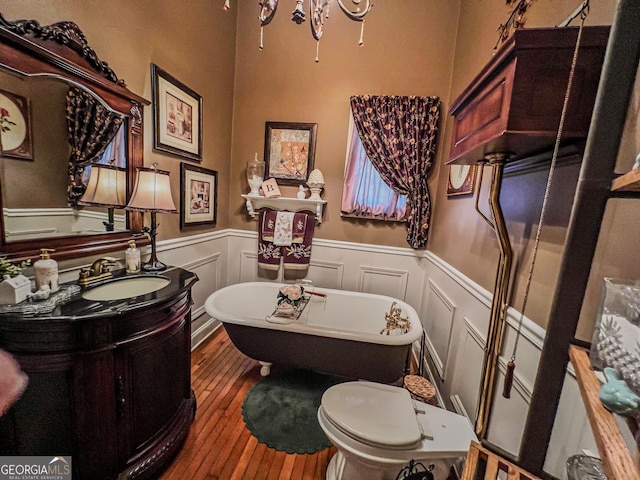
column 109, row 382
column 513, row 105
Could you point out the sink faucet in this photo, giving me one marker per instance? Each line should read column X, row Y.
column 101, row 265
column 99, row 270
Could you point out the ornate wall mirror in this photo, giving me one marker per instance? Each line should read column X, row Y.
column 67, row 110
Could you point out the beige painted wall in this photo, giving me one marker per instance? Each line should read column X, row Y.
column 461, row 238
column 196, row 45
column 50, row 147
column 408, row 50
column 411, row 47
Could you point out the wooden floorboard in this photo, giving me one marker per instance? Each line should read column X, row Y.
column 219, row 445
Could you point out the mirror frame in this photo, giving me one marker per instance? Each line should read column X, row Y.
column 61, row 51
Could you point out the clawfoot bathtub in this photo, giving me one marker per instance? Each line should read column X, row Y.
column 341, row 334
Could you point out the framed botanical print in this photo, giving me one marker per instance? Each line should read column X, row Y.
column 177, row 116
column 462, row 179
column 289, row 151
column 15, row 126
column 198, row 195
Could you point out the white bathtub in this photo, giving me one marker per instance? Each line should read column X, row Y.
column 339, row 334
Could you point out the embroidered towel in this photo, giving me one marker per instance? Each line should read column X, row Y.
column 283, row 232
column 269, row 255
column 298, row 254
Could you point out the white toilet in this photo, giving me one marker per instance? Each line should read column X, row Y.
column 377, row 431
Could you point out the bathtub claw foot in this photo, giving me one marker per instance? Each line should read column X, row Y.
column 265, row 369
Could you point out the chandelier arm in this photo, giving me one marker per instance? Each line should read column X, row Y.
column 267, row 11
column 317, row 10
column 357, row 16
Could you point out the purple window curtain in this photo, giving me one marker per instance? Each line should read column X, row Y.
column 90, row 128
column 399, row 136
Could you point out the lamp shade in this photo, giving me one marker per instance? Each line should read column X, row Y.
column 152, row 192
column 107, row 187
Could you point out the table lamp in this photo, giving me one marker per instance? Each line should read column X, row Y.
column 107, row 187
column 152, row 193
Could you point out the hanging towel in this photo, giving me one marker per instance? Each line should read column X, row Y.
column 269, row 255
column 298, row 254
column 283, row 230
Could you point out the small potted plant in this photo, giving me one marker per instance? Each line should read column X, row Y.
column 15, row 287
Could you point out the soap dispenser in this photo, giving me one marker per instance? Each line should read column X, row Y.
column 46, row 271
column 132, row 258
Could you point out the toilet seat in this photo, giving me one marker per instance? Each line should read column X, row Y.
column 452, row 433
column 376, row 414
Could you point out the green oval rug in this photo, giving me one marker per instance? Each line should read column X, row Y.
column 281, row 410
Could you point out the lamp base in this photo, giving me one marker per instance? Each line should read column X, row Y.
column 153, row 266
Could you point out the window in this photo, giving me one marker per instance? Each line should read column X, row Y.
column 114, row 154
column 364, row 193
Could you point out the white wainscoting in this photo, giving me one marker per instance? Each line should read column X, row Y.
column 382, row 281
column 466, row 380
column 453, row 309
column 437, row 320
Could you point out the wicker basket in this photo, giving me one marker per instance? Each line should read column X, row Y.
column 420, row 389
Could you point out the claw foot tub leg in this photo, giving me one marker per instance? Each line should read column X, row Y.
column 265, row 369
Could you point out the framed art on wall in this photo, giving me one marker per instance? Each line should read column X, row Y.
column 15, row 126
column 289, row 151
column 198, row 195
column 461, row 180
column 177, row 116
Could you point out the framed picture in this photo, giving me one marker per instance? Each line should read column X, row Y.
column 289, row 151
column 462, row 180
column 177, row 116
column 198, row 195
column 15, row 126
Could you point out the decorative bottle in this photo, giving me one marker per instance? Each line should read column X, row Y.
column 132, row 258
column 46, row 271
column 255, row 174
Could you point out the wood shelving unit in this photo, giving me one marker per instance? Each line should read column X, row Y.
column 629, row 182
column 617, row 459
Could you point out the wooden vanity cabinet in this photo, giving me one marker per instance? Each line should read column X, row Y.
column 112, row 390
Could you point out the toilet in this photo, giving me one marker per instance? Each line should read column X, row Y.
column 377, row 429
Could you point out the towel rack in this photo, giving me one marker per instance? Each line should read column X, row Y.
column 256, row 202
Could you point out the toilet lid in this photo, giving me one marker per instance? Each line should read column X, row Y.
column 374, row 413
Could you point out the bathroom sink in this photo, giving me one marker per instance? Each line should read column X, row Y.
column 125, row 288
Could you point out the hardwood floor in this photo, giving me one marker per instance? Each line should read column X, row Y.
column 219, row 445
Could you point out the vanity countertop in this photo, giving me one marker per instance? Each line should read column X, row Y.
column 76, row 308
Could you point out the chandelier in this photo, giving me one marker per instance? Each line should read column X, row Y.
column 319, row 11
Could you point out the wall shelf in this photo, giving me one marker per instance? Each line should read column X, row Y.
column 256, row 202
column 629, row 182
column 616, row 458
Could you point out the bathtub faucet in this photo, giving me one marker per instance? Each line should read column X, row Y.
column 395, row 321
